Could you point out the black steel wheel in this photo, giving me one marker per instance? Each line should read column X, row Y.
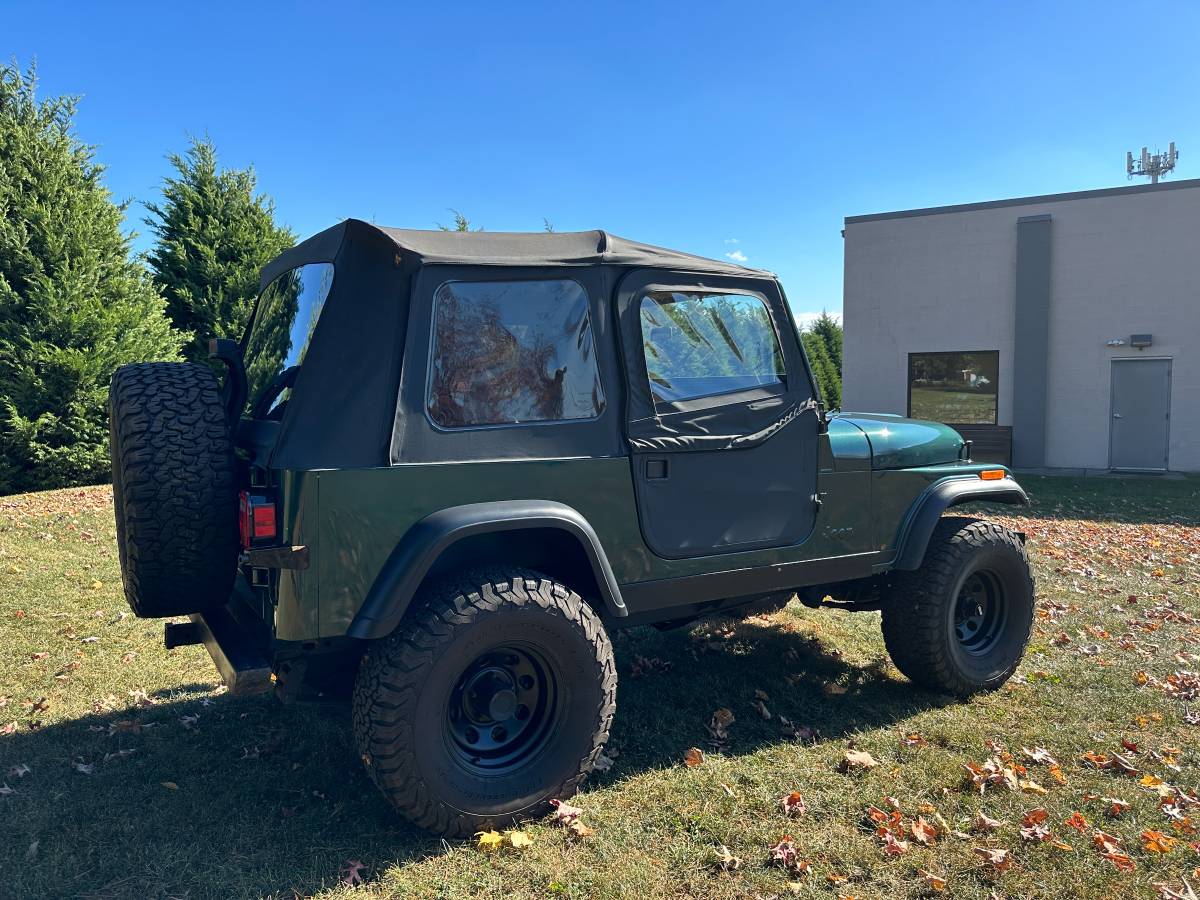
column 494, row 696
column 959, row 624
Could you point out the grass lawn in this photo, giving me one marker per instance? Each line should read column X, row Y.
column 125, row 772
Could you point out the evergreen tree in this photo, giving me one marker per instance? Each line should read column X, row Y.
column 826, row 374
column 829, row 330
column 214, row 236
column 74, row 305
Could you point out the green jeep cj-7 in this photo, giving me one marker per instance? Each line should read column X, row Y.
column 440, row 468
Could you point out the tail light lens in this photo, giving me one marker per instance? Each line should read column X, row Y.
column 257, row 521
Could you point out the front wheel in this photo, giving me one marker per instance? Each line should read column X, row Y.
column 493, row 697
column 959, row 624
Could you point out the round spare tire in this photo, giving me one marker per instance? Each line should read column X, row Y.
column 174, row 488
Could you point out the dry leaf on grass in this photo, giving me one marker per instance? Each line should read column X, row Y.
column 489, row 841
column 857, row 759
column 1157, row 842
column 1034, row 826
column 997, row 858
column 352, row 872
column 518, row 840
column 922, row 831
column 693, row 757
column 793, row 805
column 726, row 861
column 932, row 882
column 984, row 823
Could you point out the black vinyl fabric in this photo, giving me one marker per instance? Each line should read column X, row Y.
column 344, row 398
column 344, row 411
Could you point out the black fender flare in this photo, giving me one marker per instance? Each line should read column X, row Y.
column 425, row 541
column 937, row 498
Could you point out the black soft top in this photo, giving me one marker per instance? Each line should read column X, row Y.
column 503, row 248
column 344, row 412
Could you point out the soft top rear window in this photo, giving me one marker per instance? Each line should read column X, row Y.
column 283, row 326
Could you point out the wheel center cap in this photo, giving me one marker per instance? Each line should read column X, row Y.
column 502, row 705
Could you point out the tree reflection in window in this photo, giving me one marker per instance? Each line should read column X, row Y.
column 702, row 345
column 512, row 351
column 283, row 326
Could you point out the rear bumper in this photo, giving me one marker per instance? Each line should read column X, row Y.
column 240, row 661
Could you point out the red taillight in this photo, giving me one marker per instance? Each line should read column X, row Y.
column 256, row 519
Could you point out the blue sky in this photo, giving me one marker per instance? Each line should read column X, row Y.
column 687, row 125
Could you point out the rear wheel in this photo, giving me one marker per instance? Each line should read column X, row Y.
column 174, row 488
column 494, row 696
column 959, row 624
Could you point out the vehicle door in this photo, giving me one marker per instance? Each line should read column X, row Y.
column 721, row 414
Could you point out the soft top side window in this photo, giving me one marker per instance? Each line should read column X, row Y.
column 702, row 344
column 510, row 352
column 283, row 326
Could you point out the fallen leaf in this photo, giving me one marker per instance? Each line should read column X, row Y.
column 489, row 841
column 984, row 823
column 1034, row 826
column 932, row 882
column 85, row 768
column 693, row 757
column 169, row 785
column 783, row 853
column 793, row 805
column 726, row 861
column 564, row 813
column 858, row 759
column 1157, row 842
column 922, row 831
column 998, row 859
column 1040, row 756
column 518, row 840
column 352, row 873
column 1077, row 821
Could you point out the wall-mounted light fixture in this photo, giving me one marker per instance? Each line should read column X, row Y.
column 1141, row 341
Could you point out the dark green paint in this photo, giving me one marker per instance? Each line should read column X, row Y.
column 352, row 519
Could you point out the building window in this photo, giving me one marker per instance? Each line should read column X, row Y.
column 704, row 345
column 507, row 352
column 955, row 388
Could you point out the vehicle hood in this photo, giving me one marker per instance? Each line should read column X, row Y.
column 900, row 443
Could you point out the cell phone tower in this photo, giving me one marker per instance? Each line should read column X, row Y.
column 1151, row 165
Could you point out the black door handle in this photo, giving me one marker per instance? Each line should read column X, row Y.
column 656, row 469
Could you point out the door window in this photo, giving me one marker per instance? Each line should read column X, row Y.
column 707, row 344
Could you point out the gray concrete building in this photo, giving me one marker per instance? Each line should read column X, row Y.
column 1060, row 331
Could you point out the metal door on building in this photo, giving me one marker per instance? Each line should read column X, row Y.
column 1141, row 413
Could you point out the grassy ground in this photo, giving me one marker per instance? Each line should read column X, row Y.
column 143, row 780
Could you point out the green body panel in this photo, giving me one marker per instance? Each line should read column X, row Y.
column 899, row 443
column 351, row 520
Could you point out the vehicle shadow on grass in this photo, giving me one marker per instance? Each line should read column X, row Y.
column 255, row 799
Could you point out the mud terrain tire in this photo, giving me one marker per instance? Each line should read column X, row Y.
column 959, row 624
column 519, row 664
column 174, row 488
